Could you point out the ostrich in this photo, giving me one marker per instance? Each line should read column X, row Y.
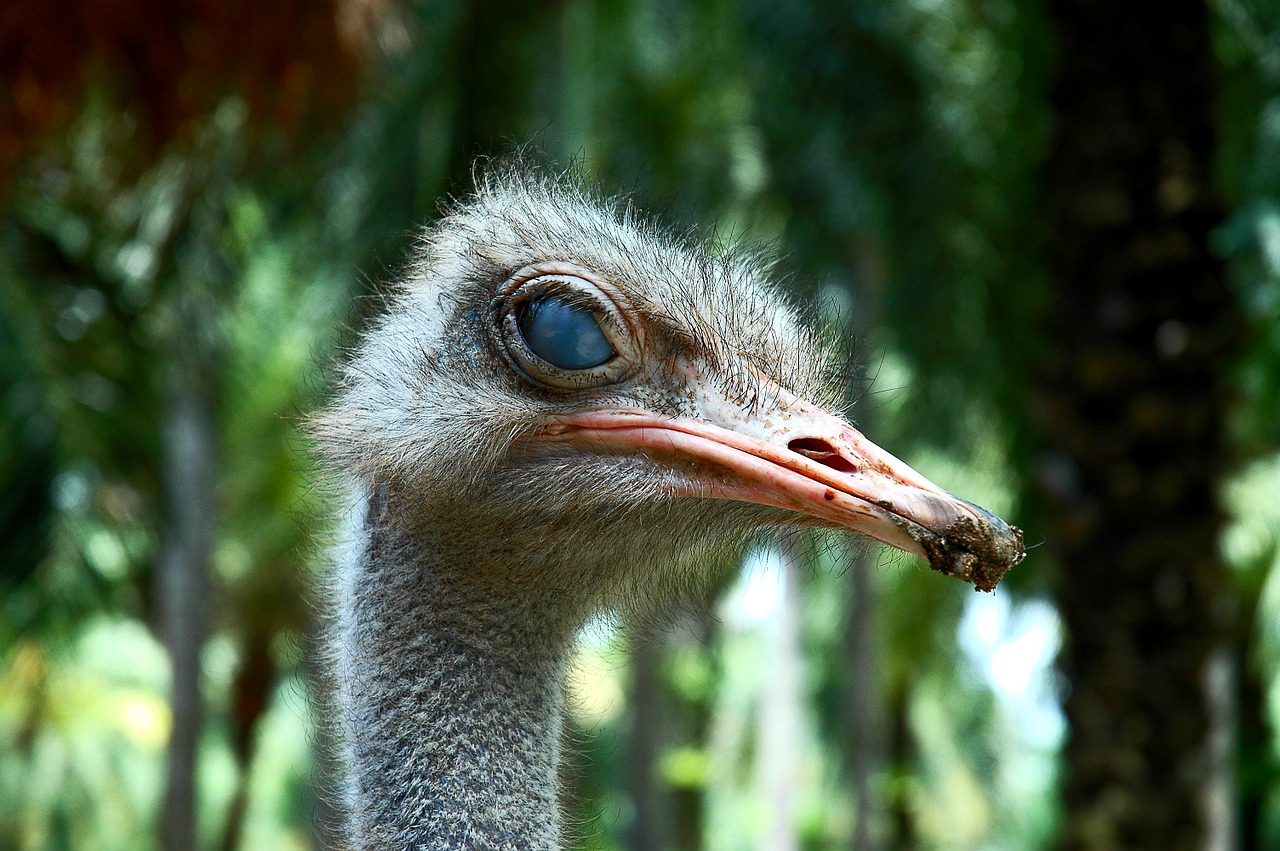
column 563, row 409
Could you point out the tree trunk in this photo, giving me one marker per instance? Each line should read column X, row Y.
column 649, row 705
column 865, row 722
column 189, row 479
column 692, row 723
column 1133, row 403
column 864, row 704
column 250, row 697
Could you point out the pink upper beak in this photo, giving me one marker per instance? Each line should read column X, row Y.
column 820, row 466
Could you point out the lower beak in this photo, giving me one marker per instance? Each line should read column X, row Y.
column 821, row 467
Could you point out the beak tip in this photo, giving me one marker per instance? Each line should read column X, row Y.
column 980, row 554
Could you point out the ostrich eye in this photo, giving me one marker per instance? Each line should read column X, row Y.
column 563, row 334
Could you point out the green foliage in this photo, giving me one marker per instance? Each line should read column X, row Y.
column 83, row 724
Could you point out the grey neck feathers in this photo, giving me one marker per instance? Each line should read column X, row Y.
column 449, row 688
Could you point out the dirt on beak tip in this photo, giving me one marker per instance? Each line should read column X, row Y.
column 973, row 551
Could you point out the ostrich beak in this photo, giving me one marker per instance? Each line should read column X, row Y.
column 809, row 461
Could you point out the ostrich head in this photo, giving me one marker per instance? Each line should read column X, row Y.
column 610, row 412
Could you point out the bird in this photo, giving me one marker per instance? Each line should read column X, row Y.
column 563, row 408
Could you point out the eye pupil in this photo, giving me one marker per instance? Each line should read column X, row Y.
column 563, row 334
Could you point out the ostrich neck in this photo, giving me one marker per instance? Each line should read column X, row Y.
column 450, row 696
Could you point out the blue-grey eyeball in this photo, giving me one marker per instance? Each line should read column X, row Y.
column 563, row 334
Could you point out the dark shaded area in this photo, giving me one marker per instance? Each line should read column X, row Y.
column 1134, row 402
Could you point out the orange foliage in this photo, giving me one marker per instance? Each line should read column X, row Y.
column 169, row 62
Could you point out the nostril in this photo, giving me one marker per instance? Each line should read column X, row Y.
column 817, row 449
column 811, row 446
